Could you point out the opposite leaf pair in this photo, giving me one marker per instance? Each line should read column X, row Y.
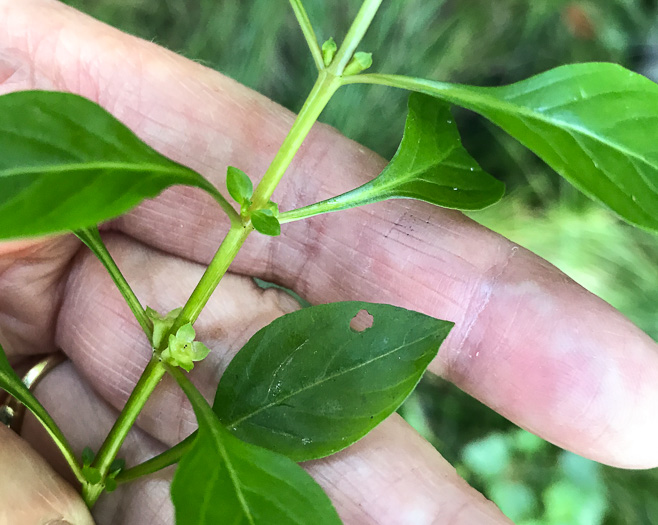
column 240, row 187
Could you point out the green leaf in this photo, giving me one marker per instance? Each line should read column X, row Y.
column 596, row 124
column 265, row 222
column 116, row 466
column 430, row 165
column 67, row 164
column 239, row 185
column 224, row 480
column 88, row 456
column 92, row 475
column 12, row 384
column 309, row 385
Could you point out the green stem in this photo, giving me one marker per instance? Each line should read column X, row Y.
column 167, row 458
column 324, row 88
column 108, row 452
column 233, row 215
column 347, row 200
column 354, row 35
column 220, row 263
column 309, row 34
column 92, row 238
column 429, row 87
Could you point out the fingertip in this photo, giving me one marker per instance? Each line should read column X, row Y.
column 32, row 493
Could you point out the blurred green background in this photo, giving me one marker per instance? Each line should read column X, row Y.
column 485, row 42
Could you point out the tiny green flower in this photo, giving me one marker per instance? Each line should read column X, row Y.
column 183, row 350
column 161, row 324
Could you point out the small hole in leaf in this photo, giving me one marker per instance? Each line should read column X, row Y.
column 361, row 321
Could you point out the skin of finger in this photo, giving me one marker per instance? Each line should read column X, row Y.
column 548, row 355
column 31, row 288
column 392, row 476
column 31, row 493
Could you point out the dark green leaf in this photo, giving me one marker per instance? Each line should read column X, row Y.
column 224, row 480
column 92, row 475
column 110, row 485
column 265, row 222
column 595, row 124
column 12, row 384
column 66, row 164
column 116, row 466
column 430, row 165
column 308, row 385
column 87, row 456
column 239, row 185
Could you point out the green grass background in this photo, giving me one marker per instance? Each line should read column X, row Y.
column 485, row 42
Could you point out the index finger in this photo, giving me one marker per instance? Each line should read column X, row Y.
column 528, row 341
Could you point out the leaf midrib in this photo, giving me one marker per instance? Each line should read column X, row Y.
column 50, row 169
column 509, row 107
column 324, row 379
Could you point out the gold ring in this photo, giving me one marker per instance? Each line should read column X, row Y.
column 12, row 411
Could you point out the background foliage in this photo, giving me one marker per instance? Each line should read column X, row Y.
column 482, row 42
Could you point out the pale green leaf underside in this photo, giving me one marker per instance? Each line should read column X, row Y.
column 430, row 165
column 596, row 124
column 66, row 164
column 307, row 385
column 224, row 480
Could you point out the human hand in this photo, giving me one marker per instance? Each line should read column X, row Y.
column 528, row 341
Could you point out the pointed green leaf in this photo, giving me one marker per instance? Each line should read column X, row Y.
column 12, row 384
column 596, row 124
column 239, row 185
column 309, row 385
column 265, row 222
column 67, row 164
column 87, row 456
column 224, row 480
column 430, row 165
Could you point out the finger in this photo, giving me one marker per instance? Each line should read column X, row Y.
column 528, row 341
column 32, row 494
column 392, row 476
column 31, row 284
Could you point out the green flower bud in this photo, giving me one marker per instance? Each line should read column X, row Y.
column 161, row 324
column 360, row 62
column 329, row 49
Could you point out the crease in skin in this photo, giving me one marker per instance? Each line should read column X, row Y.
column 487, row 286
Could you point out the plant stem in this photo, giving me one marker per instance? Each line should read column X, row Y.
column 151, row 376
column 324, row 88
column 167, row 458
column 341, row 202
column 309, row 34
column 354, row 35
column 227, row 251
column 92, row 238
